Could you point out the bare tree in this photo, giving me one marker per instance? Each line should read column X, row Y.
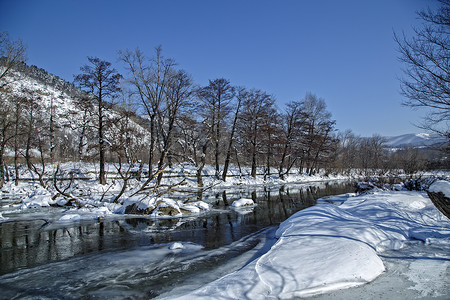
column 347, row 151
column 177, row 93
column 17, row 132
column 12, row 54
column 83, row 124
column 6, row 126
column 149, row 79
column 232, row 133
column 371, row 154
column 193, row 140
column 256, row 108
column 316, row 132
column 410, row 159
column 427, row 67
column 294, row 119
column 102, row 82
column 216, row 98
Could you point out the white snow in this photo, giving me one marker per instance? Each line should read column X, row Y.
column 70, row 217
column 176, row 246
column 415, row 140
column 40, row 197
column 328, row 247
column 157, row 207
column 243, row 202
column 441, row 186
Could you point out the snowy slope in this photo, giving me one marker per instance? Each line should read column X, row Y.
column 414, row 140
column 53, row 95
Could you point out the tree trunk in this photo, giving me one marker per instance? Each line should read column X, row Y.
column 283, row 158
column 52, row 132
column 139, row 172
column 253, row 164
column 101, row 142
column 16, row 144
column 16, row 169
column 6, row 172
column 82, row 134
column 160, row 166
column 238, row 163
column 202, row 165
column 217, row 141
column 165, row 152
column 2, row 170
column 28, row 147
column 255, row 131
column 152, row 144
column 230, row 144
column 269, row 153
column 216, row 154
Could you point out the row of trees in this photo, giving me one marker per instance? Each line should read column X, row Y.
column 220, row 123
column 215, row 124
column 155, row 115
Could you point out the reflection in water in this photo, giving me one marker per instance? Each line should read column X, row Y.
column 28, row 243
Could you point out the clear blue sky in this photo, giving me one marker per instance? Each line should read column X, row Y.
column 342, row 51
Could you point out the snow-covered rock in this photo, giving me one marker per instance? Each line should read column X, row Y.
column 138, row 205
column 166, row 207
column 243, row 202
column 194, row 207
column 38, row 198
column 176, row 246
column 161, row 207
column 440, row 186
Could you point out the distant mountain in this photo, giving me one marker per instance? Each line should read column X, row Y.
column 414, row 140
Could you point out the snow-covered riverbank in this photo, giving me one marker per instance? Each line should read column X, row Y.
column 317, row 251
column 85, row 198
column 326, row 248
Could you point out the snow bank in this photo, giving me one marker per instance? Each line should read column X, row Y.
column 161, row 207
column 243, row 202
column 441, row 186
column 327, row 247
column 86, row 213
column 40, row 197
column 70, row 218
column 176, row 246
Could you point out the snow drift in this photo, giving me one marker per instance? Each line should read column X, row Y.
column 328, row 247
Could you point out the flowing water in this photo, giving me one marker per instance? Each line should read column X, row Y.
column 131, row 257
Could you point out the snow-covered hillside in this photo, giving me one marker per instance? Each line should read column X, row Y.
column 45, row 98
column 414, row 140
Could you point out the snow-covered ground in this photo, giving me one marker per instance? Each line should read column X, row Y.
column 96, row 199
column 327, row 247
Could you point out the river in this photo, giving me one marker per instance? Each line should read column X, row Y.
column 130, row 257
